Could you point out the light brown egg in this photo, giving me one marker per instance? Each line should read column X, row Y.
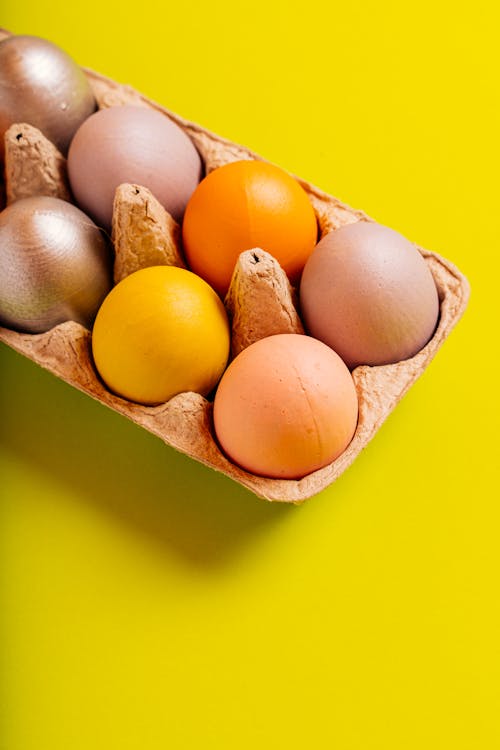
column 135, row 145
column 55, row 265
column 285, row 406
column 367, row 292
column 42, row 86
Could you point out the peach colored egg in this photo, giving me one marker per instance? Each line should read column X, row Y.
column 285, row 407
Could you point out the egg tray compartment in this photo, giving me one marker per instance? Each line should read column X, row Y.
column 185, row 421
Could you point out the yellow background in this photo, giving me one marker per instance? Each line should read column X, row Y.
column 146, row 601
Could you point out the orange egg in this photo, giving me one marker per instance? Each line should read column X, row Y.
column 285, row 406
column 242, row 205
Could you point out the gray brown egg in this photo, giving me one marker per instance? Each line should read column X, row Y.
column 367, row 292
column 131, row 144
column 55, row 265
column 43, row 86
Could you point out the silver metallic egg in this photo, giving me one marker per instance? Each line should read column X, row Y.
column 55, row 265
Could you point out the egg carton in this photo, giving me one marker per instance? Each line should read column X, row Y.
column 260, row 302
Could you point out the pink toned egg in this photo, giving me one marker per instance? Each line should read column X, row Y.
column 367, row 292
column 285, row 407
column 137, row 145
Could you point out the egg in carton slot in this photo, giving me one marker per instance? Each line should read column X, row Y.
column 260, row 301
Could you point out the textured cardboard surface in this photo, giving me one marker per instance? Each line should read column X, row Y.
column 144, row 233
column 185, row 422
column 33, row 165
column 260, row 301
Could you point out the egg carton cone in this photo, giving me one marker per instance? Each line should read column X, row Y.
column 143, row 232
column 260, row 302
column 33, row 165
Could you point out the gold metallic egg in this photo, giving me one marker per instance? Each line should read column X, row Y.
column 43, row 86
column 55, row 265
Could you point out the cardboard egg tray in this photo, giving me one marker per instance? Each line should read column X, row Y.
column 185, row 421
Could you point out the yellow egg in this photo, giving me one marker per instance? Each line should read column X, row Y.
column 160, row 331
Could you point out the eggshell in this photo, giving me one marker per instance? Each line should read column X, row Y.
column 285, row 407
column 42, row 86
column 367, row 292
column 135, row 145
column 160, row 331
column 242, row 205
column 55, row 265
